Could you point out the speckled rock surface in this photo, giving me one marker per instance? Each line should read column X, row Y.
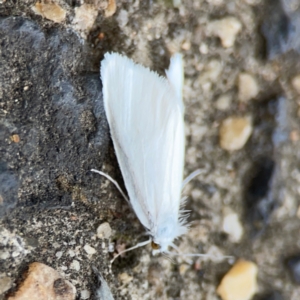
column 53, row 131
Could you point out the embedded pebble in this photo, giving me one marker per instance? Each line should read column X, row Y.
column 85, row 294
column 4, row 255
column 183, row 269
column 75, row 265
column 104, row 231
column 12, row 245
column 248, row 87
column 50, row 11
column 89, row 250
column 232, row 225
column 5, row 283
column 296, row 83
column 240, row 282
column 43, row 283
column 85, row 16
column 226, row 29
column 59, row 254
column 223, row 102
column 71, row 253
column 203, row 48
column 122, row 18
column 15, row 138
column 125, row 278
column 212, row 71
column 186, row 45
column 234, row 132
column 111, row 8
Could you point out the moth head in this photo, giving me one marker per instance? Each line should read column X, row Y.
column 165, row 232
column 155, row 246
column 158, row 248
column 162, row 240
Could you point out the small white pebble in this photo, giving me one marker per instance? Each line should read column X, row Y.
column 55, row 245
column 85, row 294
column 15, row 254
column 104, row 231
column 59, row 254
column 223, row 102
column 232, row 226
column 4, row 255
column 89, row 250
column 248, row 87
column 125, row 278
column 203, row 48
column 75, row 265
column 186, row 45
column 85, row 16
column 211, row 71
column 122, row 18
column 71, row 253
column 226, row 29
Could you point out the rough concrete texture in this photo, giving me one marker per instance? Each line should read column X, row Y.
column 53, row 130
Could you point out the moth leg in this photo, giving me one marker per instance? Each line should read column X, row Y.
column 113, row 181
column 141, row 244
column 191, row 177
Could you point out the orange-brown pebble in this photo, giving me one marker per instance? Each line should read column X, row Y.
column 44, row 283
column 111, row 8
column 15, row 138
column 240, row 283
column 50, row 11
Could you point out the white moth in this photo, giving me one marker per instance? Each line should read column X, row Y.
column 145, row 114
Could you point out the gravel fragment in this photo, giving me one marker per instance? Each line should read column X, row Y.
column 239, row 283
column 50, row 10
column 232, row 225
column 104, row 231
column 234, row 132
column 44, row 283
column 89, row 250
column 248, row 87
column 226, row 29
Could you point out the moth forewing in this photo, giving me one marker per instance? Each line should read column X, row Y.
column 145, row 115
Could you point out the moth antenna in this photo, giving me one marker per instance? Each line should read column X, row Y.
column 141, row 244
column 113, row 181
column 200, row 255
column 191, row 177
column 167, row 256
column 194, row 255
column 179, row 253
